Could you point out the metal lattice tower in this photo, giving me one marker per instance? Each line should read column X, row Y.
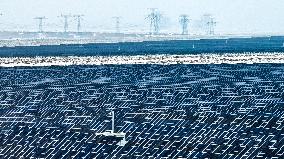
column 66, row 16
column 155, row 19
column 1, row 14
column 184, row 24
column 40, row 23
column 78, row 18
column 117, row 24
column 210, row 24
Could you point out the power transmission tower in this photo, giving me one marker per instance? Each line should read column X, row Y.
column 117, row 24
column 184, row 24
column 40, row 23
column 210, row 24
column 65, row 17
column 1, row 14
column 155, row 19
column 78, row 18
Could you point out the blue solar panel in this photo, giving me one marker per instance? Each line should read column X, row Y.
column 237, row 45
column 171, row 111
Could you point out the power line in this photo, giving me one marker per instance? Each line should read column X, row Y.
column 78, row 18
column 184, row 23
column 40, row 23
column 155, row 19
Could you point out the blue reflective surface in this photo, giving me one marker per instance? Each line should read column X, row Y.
column 231, row 45
column 168, row 111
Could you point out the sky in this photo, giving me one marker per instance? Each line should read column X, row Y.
column 232, row 16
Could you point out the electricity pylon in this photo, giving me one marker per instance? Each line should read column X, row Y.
column 78, row 18
column 155, row 19
column 117, row 24
column 40, row 23
column 184, row 23
column 1, row 14
column 65, row 17
column 210, row 24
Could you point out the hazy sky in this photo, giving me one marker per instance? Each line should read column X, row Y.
column 232, row 16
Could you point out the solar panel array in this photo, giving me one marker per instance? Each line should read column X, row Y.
column 173, row 111
column 232, row 45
